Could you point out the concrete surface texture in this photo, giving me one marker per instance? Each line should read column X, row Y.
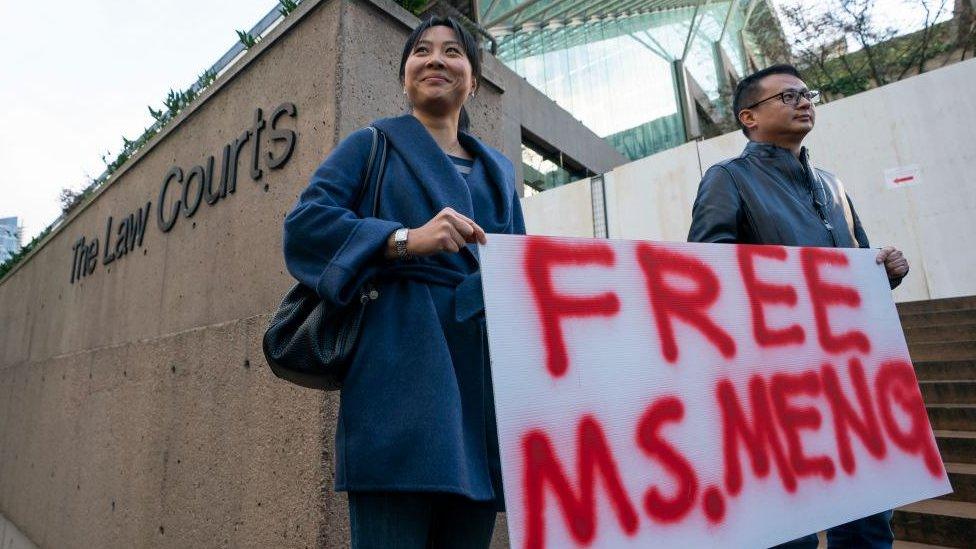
column 923, row 121
column 136, row 409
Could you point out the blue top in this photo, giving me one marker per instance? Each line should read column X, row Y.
column 463, row 165
column 481, row 192
column 416, row 410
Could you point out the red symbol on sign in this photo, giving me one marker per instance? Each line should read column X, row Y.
column 824, row 294
column 690, row 306
column 542, row 256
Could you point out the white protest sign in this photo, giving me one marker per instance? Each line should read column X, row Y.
column 698, row 395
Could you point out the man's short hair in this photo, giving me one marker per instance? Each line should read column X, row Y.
column 748, row 90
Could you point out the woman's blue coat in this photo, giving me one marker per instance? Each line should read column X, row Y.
column 416, row 410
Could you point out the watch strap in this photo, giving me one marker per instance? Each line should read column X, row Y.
column 400, row 243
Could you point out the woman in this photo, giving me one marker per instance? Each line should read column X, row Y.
column 416, row 446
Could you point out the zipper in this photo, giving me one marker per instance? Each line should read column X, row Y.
column 823, row 218
column 812, row 178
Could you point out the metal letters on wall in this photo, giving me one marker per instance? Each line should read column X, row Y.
column 183, row 192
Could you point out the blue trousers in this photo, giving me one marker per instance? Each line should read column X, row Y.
column 395, row 520
column 871, row 532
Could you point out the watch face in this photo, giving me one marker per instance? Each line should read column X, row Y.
column 400, row 241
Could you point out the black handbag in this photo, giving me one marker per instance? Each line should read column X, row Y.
column 308, row 342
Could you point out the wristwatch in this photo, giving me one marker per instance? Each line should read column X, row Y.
column 400, row 243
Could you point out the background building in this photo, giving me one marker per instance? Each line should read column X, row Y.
column 649, row 75
column 9, row 238
column 646, row 75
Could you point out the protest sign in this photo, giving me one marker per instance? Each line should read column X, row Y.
column 696, row 395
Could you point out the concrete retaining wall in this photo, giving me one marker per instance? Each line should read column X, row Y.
column 135, row 407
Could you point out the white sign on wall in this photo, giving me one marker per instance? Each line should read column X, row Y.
column 902, row 176
column 698, row 395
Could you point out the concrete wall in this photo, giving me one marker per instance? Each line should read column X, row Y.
column 924, row 120
column 135, row 406
column 135, row 409
column 567, row 213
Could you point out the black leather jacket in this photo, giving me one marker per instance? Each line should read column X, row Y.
column 768, row 196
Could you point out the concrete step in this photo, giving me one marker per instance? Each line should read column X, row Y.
column 956, row 350
column 943, row 333
column 961, row 316
column 937, row 305
column 932, row 370
column 956, row 446
column 937, row 521
column 962, row 476
column 955, row 417
column 948, row 391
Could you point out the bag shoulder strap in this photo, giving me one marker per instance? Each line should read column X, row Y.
column 379, row 172
column 367, row 171
column 375, row 167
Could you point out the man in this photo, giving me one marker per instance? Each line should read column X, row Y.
column 772, row 195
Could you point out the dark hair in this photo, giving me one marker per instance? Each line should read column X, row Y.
column 748, row 89
column 472, row 50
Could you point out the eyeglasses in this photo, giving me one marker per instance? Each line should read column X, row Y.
column 791, row 98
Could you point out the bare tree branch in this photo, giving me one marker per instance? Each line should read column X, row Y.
column 821, row 33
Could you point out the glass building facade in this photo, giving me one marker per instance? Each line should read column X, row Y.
column 9, row 238
column 639, row 73
column 544, row 169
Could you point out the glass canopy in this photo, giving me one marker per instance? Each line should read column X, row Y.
column 625, row 68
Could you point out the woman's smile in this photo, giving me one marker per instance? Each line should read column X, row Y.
column 436, row 79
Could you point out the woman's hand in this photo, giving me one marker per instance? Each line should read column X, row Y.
column 448, row 231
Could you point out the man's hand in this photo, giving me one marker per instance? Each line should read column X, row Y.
column 895, row 263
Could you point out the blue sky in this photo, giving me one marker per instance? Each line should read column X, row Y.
column 77, row 76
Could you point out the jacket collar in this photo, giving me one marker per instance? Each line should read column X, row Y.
column 429, row 163
column 769, row 150
column 796, row 170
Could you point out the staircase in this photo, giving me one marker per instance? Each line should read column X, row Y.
column 941, row 337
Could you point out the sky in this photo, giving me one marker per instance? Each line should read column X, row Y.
column 77, row 76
